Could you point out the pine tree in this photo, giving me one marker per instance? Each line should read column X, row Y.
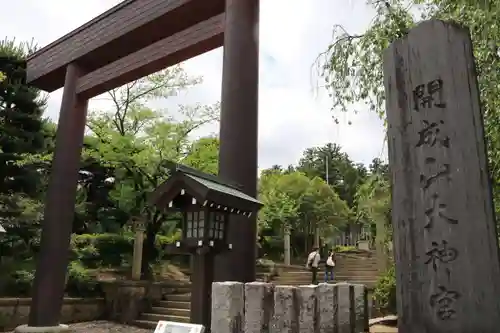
column 22, row 136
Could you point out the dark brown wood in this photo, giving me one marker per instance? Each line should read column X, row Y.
column 170, row 189
column 201, row 278
column 198, row 39
column 120, row 31
column 239, row 132
column 446, row 247
column 52, row 260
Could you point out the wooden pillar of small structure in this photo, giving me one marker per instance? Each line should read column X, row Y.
column 139, row 228
column 202, row 277
column 239, row 132
column 446, row 246
column 52, row 261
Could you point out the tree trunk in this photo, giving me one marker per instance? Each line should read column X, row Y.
column 287, row 241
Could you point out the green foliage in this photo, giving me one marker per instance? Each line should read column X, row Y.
column 352, row 64
column 110, row 250
column 20, row 282
column 22, row 139
column 80, row 283
column 102, row 250
column 344, row 176
column 384, row 295
column 341, row 249
column 293, row 200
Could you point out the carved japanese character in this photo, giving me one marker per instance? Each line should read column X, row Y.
column 431, row 134
column 443, row 172
column 441, row 253
column 443, row 302
column 436, row 211
column 424, row 95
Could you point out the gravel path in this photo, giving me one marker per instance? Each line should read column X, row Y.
column 102, row 326
column 110, row 327
column 106, row 326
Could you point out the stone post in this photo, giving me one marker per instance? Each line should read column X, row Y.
column 345, row 316
column 286, row 311
column 259, row 307
column 308, row 309
column 228, row 307
column 139, row 227
column 287, row 244
column 445, row 240
column 327, row 307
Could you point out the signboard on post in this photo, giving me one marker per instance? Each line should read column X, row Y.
column 445, row 241
column 175, row 327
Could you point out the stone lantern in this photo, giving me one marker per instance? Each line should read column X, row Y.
column 206, row 203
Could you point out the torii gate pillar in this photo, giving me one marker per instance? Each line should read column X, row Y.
column 239, row 132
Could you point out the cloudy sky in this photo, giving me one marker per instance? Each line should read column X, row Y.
column 294, row 113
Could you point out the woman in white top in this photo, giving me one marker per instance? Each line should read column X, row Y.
column 329, row 265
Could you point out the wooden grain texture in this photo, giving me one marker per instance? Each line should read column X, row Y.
column 186, row 44
column 122, row 30
column 467, row 264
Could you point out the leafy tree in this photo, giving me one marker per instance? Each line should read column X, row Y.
column 379, row 167
column 295, row 202
column 343, row 175
column 352, row 64
column 22, row 135
column 136, row 141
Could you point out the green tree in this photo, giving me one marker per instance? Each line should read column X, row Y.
column 343, row 175
column 294, row 202
column 136, row 141
column 22, row 136
column 352, row 64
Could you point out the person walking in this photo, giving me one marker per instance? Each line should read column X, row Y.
column 313, row 263
column 329, row 266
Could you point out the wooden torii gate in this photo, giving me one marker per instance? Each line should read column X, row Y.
column 129, row 41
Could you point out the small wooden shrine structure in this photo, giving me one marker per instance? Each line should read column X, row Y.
column 206, row 202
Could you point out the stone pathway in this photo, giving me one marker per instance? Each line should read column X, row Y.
column 102, row 326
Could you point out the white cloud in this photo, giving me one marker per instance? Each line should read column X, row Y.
column 293, row 114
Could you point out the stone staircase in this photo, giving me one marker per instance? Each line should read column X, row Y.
column 174, row 307
column 352, row 267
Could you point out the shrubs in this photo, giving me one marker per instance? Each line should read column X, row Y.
column 17, row 283
column 102, row 250
column 80, row 283
column 344, row 249
column 88, row 253
column 384, row 294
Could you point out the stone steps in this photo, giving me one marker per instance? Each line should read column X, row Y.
column 341, row 271
column 352, row 268
column 176, row 307
column 175, row 304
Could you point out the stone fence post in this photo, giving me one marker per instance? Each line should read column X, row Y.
column 259, row 307
column 139, row 227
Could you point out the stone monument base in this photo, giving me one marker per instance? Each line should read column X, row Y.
column 49, row 329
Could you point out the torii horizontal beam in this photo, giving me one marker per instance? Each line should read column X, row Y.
column 198, row 39
column 119, row 32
